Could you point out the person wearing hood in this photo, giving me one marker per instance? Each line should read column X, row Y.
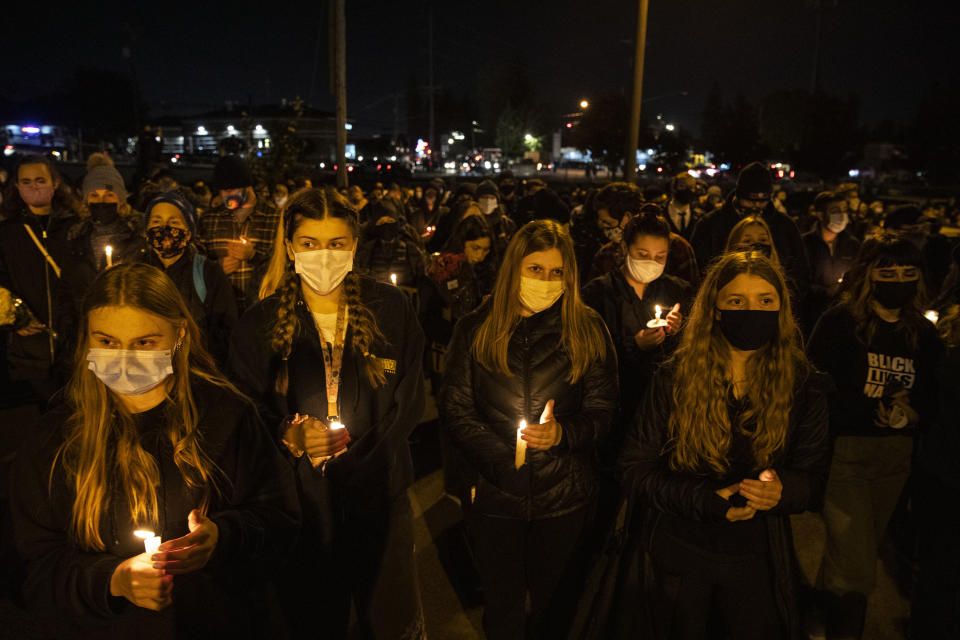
column 171, row 228
column 832, row 251
column 530, row 391
column 34, row 251
column 488, row 199
column 752, row 197
column 388, row 246
column 238, row 232
column 427, row 215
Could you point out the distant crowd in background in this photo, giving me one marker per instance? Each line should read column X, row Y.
column 757, row 357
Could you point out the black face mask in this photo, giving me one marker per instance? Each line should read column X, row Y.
column 103, row 212
column 893, row 295
column 748, row 330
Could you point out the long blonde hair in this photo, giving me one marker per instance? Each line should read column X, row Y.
column 582, row 334
column 316, row 204
column 101, row 453
column 736, row 235
column 700, row 429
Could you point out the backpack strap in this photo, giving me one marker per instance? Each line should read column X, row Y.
column 199, row 284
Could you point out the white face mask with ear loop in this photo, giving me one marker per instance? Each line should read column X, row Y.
column 323, row 270
column 644, row 271
column 131, row 372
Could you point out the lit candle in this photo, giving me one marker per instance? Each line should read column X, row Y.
column 150, row 541
column 243, row 240
column 336, row 424
column 521, row 454
column 109, row 251
column 657, row 321
column 393, row 279
column 932, row 316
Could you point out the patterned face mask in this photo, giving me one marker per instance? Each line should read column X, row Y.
column 168, row 241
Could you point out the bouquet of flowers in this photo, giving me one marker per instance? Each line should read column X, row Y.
column 14, row 313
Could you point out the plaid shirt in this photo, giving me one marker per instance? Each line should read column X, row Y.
column 218, row 228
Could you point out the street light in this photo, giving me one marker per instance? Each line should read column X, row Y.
column 670, row 127
column 528, row 138
column 584, row 104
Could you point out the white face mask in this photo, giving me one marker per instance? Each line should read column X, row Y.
column 537, row 295
column 838, row 222
column 644, row 271
column 323, row 270
column 130, row 373
column 488, row 205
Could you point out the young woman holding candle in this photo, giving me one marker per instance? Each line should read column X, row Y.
column 326, row 347
column 627, row 299
column 533, row 352
column 883, row 355
column 149, row 436
column 730, row 440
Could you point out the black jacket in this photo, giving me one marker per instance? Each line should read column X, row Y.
column 802, row 466
column 377, row 466
column 710, row 240
column 625, row 315
column 25, row 272
column 256, row 513
column 216, row 314
column 941, row 444
column 827, row 270
column 481, row 409
column 84, row 267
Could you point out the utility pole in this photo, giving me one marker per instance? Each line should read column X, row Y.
column 339, row 77
column 433, row 149
column 630, row 162
column 815, row 82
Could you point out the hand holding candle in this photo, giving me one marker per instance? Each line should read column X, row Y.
column 322, row 441
column 191, row 552
column 674, row 320
column 547, row 434
column 763, row 494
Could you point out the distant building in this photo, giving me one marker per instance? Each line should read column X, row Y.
column 209, row 134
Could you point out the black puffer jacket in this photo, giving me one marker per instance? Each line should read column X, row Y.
column 802, row 465
column 481, row 410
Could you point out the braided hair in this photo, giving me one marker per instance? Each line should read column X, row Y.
column 282, row 280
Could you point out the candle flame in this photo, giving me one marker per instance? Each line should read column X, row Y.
column 932, row 316
column 143, row 534
column 336, row 425
column 658, row 310
column 109, row 250
column 393, row 278
column 523, row 425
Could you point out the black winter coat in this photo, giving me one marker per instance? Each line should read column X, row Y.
column 827, row 270
column 25, row 272
column 216, row 314
column 377, row 467
column 802, row 466
column 256, row 513
column 481, row 409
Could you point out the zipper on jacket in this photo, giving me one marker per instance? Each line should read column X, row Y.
column 526, row 416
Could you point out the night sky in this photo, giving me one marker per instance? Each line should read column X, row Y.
column 191, row 57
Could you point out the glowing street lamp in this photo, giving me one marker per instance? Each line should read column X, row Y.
column 584, row 103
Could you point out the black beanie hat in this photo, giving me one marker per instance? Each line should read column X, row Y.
column 754, row 182
column 488, row 188
column 467, row 189
column 231, row 172
column 547, row 205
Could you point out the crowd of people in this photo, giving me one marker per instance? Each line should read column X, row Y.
column 232, row 370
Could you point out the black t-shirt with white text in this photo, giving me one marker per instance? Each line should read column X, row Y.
column 863, row 372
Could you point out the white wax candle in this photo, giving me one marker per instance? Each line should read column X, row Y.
column 521, row 453
column 150, row 541
column 657, row 321
column 109, row 251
